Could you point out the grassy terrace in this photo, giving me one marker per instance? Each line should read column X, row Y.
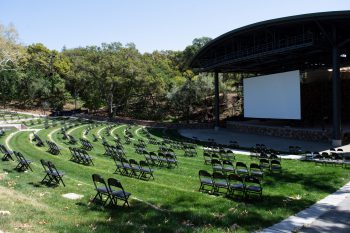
column 170, row 203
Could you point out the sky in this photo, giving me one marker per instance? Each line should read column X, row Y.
column 150, row 24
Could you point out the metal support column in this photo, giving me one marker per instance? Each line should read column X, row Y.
column 336, row 94
column 217, row 100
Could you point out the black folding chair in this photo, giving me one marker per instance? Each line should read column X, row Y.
column 56, row 174
column 205, row 179
column 146, row 171
column 23, row 164
column 101, row 189
column 48, row 177
column 253, row 186
column 7, row 153
column 236, row 183
column 117, row 192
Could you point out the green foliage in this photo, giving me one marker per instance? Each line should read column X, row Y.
column 112, row 76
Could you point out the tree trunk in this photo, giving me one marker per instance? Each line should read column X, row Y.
column 110, row 112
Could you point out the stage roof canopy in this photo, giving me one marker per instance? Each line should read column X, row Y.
column 301, row 42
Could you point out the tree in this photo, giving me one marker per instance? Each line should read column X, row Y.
column 10, row 51
column 191, row 50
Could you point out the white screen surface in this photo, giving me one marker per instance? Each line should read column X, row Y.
column 275, row 96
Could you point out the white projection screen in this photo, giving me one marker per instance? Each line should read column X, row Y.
column 275, row 96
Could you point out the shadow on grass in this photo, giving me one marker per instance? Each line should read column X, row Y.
column 317, row 182
column 187, row 214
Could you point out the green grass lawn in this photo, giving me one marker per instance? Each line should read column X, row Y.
column 170, row 203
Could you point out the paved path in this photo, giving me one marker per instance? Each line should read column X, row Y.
column 336, row 220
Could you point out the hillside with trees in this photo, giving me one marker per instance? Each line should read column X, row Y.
column 111, row 78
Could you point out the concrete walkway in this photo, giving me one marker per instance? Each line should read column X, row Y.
column 336, row 220
column 331, row 214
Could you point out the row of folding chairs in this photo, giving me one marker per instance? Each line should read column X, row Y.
column 132, row 168
column 219, row 156
column 325, row 158
column 86, row 144
column 53, row 148
column 37, row 140
column 80, row 156
column 263, row 155
column 240, row 168
column 161, row 159
column 274, row 165
column 109, row 192
column 262, row 148
column 114, row 150
column 52, row 175
column 153, row 141
column 219, row 183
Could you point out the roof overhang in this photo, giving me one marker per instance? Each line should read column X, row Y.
column 297, row 42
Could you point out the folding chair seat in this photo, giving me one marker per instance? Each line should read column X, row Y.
column 127, row 169
column 220, row 182
column 264, row 163
column 205, row 179
column 256, row 170
column 102, row 190
column 23, row 164
column 275, row 166
column 216, row 165
column 145, row 171
column 235, row 183
column 253, row 186
column 227, row 167
column 117, row 192
column 241, row 169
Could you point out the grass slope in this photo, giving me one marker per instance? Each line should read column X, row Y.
column 170, row 203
